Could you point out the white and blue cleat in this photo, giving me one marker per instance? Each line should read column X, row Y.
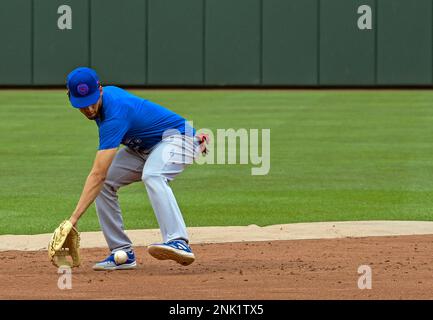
column 110, row 264
column 177, row 250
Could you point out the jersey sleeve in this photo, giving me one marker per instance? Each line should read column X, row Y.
column 111, row 133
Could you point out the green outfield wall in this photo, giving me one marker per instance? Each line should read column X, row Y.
column 219, row 42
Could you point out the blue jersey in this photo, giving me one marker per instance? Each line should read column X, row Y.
column 135, row 122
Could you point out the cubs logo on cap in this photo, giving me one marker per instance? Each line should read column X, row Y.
column 83, row 89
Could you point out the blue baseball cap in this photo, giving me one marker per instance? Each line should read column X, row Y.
column 83, row 85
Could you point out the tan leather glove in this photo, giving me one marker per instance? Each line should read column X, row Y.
column 65, row 242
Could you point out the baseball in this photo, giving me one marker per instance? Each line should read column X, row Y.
column 120, row 257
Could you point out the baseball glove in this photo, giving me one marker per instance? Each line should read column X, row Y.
column 65, row 242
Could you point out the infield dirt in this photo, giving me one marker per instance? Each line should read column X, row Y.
column 402, row 268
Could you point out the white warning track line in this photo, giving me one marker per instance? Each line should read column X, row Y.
column 296, row 231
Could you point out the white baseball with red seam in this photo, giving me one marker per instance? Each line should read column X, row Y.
column 120, row 257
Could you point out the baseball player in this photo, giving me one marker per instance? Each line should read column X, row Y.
column 159, row 144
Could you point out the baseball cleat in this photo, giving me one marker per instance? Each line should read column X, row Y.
column 110, row 264
column 177, row 250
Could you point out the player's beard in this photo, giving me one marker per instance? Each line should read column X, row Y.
column 93, row 117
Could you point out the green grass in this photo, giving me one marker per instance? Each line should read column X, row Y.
column 335, row 155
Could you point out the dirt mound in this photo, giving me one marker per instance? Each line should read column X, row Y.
column 402, row 268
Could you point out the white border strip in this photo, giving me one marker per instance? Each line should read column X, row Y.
column 296, row 231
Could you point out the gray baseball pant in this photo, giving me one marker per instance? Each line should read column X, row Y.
column 155, row 167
